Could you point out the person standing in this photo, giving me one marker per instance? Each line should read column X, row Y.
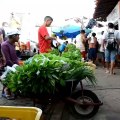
column 44, row 38
column 110, row 46
column 80, row 43
column 3, row 31
column 63, row 47
column 2, row 61
column 102, row 54
column 2, row 58
column 92, row 53
column 8, row 49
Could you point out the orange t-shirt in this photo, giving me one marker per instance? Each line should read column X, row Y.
column 44, row 45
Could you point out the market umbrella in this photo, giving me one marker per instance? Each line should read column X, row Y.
column 70, row 31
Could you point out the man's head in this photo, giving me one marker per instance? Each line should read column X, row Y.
column 66, row 42
column 47, row 21
column 93, row 34
column 82, row 32
column 110, row 25
column 13, row 35
column 102, row 32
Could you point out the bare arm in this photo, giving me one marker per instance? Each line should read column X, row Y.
column 84, row 39
column 104, row 37
column 1, row 38
column 3, row 58
column 50, row 38
column 96, row 41
column 44, row 34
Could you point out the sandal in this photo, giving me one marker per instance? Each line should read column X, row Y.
column 113, row 73
column 107, row 71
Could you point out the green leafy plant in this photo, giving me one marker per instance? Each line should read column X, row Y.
column 44, row 72
column 72, row 52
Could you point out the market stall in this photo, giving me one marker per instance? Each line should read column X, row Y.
column 53, row 77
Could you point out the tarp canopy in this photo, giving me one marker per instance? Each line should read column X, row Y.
column 69, row 31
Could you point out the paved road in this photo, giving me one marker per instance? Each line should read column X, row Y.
column 107, row 89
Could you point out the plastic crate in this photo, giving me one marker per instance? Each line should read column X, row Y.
column 20, row 113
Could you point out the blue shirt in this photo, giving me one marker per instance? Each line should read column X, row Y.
column 62, row 47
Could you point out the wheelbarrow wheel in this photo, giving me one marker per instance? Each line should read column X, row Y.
column 87, row 111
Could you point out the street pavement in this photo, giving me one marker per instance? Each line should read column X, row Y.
column 107, row 90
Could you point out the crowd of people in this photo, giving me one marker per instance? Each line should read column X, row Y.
column 107, row 46
column 89, row 46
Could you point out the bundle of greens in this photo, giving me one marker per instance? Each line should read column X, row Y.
column 72, row 52
column 42, row 73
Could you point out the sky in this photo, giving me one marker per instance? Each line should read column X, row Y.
column 58, row 9
column 34, row 12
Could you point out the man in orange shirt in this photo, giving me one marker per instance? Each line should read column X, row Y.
column 43, row 36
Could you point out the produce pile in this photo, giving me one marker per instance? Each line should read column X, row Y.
column 41, row 73
column 72, row 52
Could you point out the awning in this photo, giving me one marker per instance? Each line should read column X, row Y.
column 104, row 8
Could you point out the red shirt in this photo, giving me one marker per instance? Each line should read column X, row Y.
column 44, row 45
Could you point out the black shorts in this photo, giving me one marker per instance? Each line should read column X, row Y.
column 92, row 53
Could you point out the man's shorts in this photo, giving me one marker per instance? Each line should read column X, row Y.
column 92, row 54
column 110, row 56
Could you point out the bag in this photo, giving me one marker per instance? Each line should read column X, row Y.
column 111, row 42
column 7, row 70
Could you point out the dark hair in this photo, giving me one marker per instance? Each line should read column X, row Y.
column 93, row 34
column 102, row 32
column 55, row 35
column 82, row 31
column 48, row 17
column 66, row 42
column 110, row 25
